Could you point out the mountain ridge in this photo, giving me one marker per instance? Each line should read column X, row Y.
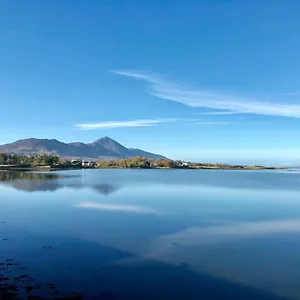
column 102, row 148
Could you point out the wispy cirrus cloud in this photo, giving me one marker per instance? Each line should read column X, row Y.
column 142, row 123
column 214, row 123
column 220, row 113
column 212, row 100
column 119, row 124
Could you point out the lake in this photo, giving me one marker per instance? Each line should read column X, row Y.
column 150, row 234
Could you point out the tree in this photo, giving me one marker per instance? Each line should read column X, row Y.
column 49, row 161
column 3, row 158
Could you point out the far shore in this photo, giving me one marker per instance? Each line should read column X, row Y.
column 14, row 162
column 62, row 168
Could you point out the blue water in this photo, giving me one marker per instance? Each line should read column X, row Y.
column 151, row 234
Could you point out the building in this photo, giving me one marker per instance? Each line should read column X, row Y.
column 88, row 164
column 75, row 162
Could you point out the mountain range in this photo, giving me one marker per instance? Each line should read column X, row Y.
column 103, row 148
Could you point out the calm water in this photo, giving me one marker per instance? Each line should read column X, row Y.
column 151, row 234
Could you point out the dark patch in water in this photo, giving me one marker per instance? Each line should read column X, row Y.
column 51, row 286
column 96, row 275
column 108, row 295
column 18, row 286
column 184, row 265
column 47, row 247
column 97, row 272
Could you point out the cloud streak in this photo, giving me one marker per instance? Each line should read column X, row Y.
column 141, row 123
column 213, row 123
column 220, row 113
column 119, row 124
column 206, row 99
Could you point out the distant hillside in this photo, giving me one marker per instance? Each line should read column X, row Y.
column 101, row 149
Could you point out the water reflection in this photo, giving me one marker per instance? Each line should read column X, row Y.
column 105, row 249
column 258, row 180
column 112, row 180
column 102, row 272
column 222, row 233
column 118, row 207
column 13, row 176
column 50, row 182
column 101, row 188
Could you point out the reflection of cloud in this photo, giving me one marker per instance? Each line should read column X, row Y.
column 117, row 207
column 214, row 234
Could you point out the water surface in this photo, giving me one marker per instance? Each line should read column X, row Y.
column 151, row 234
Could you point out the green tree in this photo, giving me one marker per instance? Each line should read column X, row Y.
column 3, row 158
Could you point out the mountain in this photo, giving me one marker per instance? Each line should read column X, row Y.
column 101, row 149
column 110, row 147
column 142, row 153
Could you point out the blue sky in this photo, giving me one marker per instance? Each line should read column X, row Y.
column 198, row 80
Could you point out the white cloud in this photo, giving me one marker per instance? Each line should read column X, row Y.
column 213, row 100
column 141, row 76
column 117, row 207
column 220, row 113
column 213, row 123
column 118, row 124
column 141, row 123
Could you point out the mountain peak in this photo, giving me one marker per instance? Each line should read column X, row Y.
column 111, row 145
column 104, row 139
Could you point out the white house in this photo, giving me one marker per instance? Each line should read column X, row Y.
column 88, row 164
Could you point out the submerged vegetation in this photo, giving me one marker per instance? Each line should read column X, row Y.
column 54, row 162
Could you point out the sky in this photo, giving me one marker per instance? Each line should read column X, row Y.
column 203, row 80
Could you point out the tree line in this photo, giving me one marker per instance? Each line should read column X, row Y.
column 54, row 160
column 139, row 163
column 31, row 161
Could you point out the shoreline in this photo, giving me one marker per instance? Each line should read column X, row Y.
column 53, row 169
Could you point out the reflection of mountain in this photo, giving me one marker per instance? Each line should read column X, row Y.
column 30, row 182
column 35, row 182
column 106, row 189
column 101, row 188
column 34, row 185
column 11, row 176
